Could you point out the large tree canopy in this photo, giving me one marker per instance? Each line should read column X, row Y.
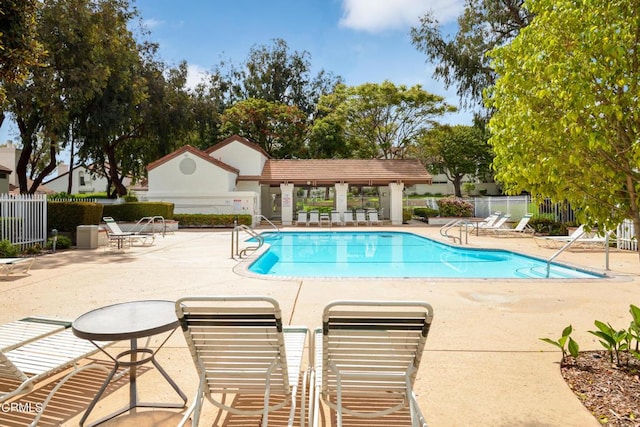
column 376, row 120
column 461, row 60
column 457, row 151
column 567, row 123
column 279, row 129
column 19, row 46
column 273, row 73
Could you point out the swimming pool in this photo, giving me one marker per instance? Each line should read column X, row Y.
column 393, row 254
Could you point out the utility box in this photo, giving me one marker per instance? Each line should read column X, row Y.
column 87, row 236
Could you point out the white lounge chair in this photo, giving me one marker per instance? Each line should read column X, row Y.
column 115, row 233
column 38, row 359
column 314, row 218
column 240, row 346
column 20, row 332
column 499, row 223
column 347, row 218
column 595, row 241
column 373, row 218
column 11, row 265
column 488, row 221
column 302, row 218
column 335, row 218
column 557, row 241
column 522, row 228
column 361, row 217
column 366, row 357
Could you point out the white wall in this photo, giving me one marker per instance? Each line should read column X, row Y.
column 237, row 202
column 189, row 175
column 9, row 156
column 92, row 183
column 242, row 157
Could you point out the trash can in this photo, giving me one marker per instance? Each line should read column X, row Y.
column 87, row 236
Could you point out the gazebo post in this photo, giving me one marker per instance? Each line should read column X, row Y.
column 286, row 190
column 395, row 208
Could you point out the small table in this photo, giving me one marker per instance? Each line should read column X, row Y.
column 129, row 321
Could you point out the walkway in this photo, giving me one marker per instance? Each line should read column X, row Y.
column 484, row 363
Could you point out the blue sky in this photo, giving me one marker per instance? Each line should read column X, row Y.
column 360, row 40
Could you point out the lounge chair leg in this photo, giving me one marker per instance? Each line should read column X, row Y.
column 46, row 401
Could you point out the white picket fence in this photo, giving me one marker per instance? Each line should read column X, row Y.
column 627, row 236
column 23, row 219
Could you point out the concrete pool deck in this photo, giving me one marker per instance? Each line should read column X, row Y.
column 483, row 364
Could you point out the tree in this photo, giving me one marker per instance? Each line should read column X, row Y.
column 567, row 124
column 274, row 74
column 456, row 151
column 381, row 120
column 461, row 60
column 279, row 129
column 19, row 47
column 61, row 99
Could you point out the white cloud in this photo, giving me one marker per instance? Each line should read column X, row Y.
column 379, row 15
column 150, row 24
column 195, row 75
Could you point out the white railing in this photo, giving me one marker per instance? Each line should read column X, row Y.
column 23, row 219
column 627, row 236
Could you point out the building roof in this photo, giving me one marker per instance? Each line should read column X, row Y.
column 237, row 138
column 42, row 189
column 351, row 171
column 189, row 149
column 4, row 169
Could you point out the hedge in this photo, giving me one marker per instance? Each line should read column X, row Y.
column 211, row 220
column 66, row 216
column 132, row 212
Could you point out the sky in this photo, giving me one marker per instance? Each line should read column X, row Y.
column 363, row 41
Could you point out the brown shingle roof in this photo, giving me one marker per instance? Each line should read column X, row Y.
column 194, row 151
column 352, row 171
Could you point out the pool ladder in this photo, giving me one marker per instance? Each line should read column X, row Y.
column 236, row 252
column 461, row 225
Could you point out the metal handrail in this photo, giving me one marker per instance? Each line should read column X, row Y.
column 235, row 239
column 261, row 217
column 444, row 230
column 149, row 220
column 562, row 249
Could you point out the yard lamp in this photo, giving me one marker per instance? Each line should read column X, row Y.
column 54, row 238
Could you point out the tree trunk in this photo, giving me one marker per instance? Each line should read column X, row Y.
column 119, row 187
column 26, row 136
column 70, row 177
column 457, row 185
column 46, row 171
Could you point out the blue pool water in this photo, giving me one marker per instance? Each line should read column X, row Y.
column 393, row 254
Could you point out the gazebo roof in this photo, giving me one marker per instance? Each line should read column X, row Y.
column 319, row 172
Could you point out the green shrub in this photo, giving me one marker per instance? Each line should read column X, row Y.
column 425, row 213
column 454, row 207
column 7, row 249
column 63, row 242
column 211, row 220
column 407, row 215
column 133, row 211
column 34, row 250
column 66, row 216
column 546, row 225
